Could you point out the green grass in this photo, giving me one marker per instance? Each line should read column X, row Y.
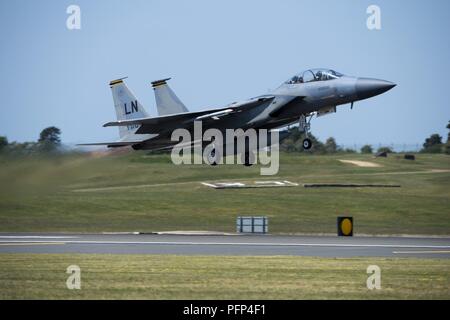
column 43, row 276
column 148, row 193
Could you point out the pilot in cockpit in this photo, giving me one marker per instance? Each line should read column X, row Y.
column 319, row 75
column 314, row 75
column 296, row 79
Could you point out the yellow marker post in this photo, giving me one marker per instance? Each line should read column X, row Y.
column 345, row 226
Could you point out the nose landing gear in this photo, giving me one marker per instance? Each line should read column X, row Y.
column 307, row 144
column 304, row 125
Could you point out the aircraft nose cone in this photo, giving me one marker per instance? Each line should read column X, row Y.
column 367, row 87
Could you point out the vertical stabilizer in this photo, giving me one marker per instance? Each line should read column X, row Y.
column 127, row 106
column 167, row 101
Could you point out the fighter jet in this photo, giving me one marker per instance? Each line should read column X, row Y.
column 314, row 92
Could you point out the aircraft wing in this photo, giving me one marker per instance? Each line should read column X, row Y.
column 111, row 144
column 157, row 124
column 123, row 142
column 280, row 108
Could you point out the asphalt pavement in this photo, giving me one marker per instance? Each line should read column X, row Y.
column 316, row 246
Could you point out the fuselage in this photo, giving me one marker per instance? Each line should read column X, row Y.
column 315, row 96
column 304, row 94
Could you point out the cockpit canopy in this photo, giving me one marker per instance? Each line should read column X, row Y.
column 314, row 75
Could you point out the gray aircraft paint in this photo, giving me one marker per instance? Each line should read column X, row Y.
column 281, row 107
column 167, row 101
column 127, row 107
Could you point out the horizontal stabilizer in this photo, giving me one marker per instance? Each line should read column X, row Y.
column 111, row 144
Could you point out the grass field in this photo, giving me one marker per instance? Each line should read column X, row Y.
column 138, row 192
column 43, row 276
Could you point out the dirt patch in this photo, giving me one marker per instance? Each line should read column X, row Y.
column 366, row 164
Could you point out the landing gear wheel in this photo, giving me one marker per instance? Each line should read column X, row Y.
column 248, row 159
column 213, row 157
column 307, row 144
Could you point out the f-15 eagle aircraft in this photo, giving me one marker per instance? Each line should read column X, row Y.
column 312, row 92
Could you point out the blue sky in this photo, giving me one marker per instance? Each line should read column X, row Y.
column 218, row 52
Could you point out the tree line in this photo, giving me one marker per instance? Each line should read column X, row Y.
column 49, row 141
column 293, row 143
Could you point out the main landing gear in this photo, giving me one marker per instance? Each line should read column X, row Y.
column 248, row 159
column 304, row 125
column 213, row 157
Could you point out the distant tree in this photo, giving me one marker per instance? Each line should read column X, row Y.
column 367, row 149
column 50, row 134
column 330, row 145
column 288, row 145
column 434, row 139
column 384, row 149
column 24, row 148
column 448, row 127
column 294, row 135
column 3, row 142
column 433, row 144
column 447, row 145
column 49, row 139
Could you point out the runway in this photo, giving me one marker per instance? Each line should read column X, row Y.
column 318, row 246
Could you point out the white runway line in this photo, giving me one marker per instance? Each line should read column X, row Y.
column 122, row 233
column 30, row 243
column 209, row 185
column 421, row 252
column 266, row 244
column 37, row 237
